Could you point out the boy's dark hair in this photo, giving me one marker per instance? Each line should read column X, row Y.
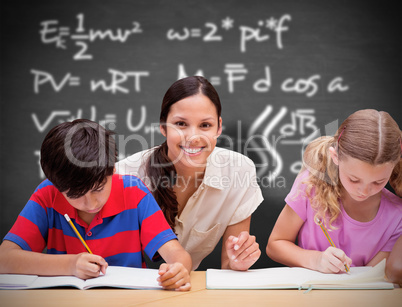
column 77, row 156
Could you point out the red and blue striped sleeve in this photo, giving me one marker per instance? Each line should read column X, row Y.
column 30, row 230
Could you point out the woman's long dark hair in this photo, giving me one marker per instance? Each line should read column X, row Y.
column 159, row 168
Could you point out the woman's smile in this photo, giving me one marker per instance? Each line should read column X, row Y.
column 192, row 151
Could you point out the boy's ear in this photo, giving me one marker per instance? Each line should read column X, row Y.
column 334, row 155
column 114, row 170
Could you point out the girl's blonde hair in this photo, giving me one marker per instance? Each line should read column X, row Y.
column 367, row 135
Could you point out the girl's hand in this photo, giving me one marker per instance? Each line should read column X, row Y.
column 174, row 276
column 332, row 260
column 87, row 265
column 243, row 251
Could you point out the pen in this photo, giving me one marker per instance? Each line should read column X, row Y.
column 77, row 233
column 330, row 240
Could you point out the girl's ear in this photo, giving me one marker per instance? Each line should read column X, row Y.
column 162, row 129
column 334, row 155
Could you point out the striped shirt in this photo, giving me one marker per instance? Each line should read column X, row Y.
column 130, row 223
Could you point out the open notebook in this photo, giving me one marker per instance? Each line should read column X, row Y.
column 298, row 278
column 116, row 277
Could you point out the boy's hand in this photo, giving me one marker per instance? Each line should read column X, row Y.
column 243, row 251
column 87, row 265
column 174, row 276
column 333, row 260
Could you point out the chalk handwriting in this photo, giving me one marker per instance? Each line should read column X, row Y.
column 263, row 85
column 118, row 78
column 42, row 77
column 52, row 33
column 41, row 173
column 141, row 123
column 61, row 116
column 109, row 120
column 117, row 84
column 185, row 33
column 300, row 131
column 237, row 72
column 300, row 120
column 336, row 85
column 125, row 82
column 267, row 135
column 227, row 23
column 271, row 132
column 247, row 33
column 175, row 35
column 308, row 86
column 267, row 149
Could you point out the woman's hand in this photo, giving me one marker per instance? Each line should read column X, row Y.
column 243, row 251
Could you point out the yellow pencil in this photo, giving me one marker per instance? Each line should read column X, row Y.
column 330, row 240
column 77, row 233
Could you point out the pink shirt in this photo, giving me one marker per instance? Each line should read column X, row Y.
column 361, row 241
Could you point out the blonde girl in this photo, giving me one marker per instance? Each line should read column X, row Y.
column 342, row 184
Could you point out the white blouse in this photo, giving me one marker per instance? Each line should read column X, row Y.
column 228, row 194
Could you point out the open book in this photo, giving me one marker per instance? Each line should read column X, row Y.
column 298, row 278
column 116, row 277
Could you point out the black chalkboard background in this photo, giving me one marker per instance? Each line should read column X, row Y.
column 283, row 69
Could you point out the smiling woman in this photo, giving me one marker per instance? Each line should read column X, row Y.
column 193, row 127
column 187, row 176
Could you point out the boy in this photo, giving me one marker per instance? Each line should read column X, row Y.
column 116, row 215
